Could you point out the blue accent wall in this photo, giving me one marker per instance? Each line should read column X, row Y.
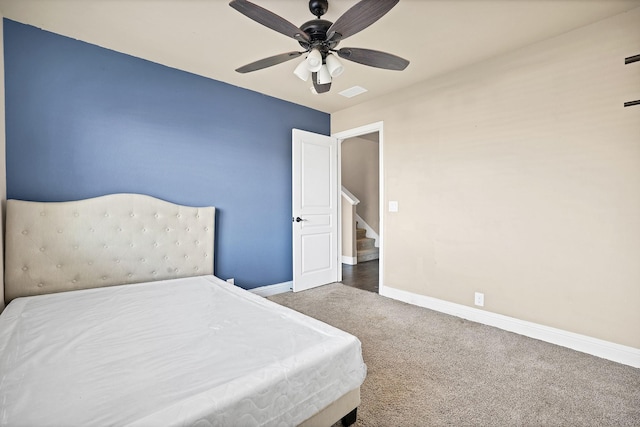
column 84, row 121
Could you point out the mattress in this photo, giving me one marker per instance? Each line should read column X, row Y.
column 177, row 352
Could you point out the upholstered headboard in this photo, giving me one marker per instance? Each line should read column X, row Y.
column 104, row 241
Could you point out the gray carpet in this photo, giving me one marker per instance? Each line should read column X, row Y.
column 430, row 369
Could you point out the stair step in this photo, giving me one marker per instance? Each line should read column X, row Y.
column 368, row 255
column 365, row 243
column 365, row 246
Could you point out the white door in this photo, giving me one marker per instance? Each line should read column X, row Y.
column 315, row 210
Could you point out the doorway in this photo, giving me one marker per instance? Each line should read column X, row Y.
column 364, row 275
column 361, row 178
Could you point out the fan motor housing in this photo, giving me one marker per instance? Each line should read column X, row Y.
column 317, row 31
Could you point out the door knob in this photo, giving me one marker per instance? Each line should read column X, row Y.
column 298, row 219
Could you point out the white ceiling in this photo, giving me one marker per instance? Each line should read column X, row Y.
column 209, row 38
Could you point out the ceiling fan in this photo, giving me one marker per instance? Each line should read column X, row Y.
column 320, row 37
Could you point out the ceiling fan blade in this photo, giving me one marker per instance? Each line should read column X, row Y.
column 320, row 88
column 359, row 17
column 269, row 19
column 268, row 62
column 373, row 58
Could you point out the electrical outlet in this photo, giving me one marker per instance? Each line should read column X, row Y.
column 479, row 299
column 231, row 280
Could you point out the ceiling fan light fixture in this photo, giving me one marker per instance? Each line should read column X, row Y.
column 302, row 71
column 334, row 65
column 319, row 39
column 314, row 61
column 323, row 76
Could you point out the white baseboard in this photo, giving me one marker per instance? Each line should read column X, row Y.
column 267, row 291
column 370, row 232
column 349, row 260
column 596, row 347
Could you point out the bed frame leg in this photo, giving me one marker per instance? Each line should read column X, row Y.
column 350, row 418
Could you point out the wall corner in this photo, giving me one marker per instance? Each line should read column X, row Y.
column 3, row 164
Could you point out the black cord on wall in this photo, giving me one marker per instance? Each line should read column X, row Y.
column 630, row 60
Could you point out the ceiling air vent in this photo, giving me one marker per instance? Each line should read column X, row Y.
column 352, row 91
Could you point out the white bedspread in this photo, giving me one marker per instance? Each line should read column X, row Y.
column 178, row 352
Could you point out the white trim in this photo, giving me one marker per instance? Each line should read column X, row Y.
column 339, row 236
column 350, row 260
column 353, row 200
column 363, row 130
column 268, row 290
column 596, row 347
column 370, row 232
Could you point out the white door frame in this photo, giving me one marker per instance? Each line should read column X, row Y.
column 351, row 133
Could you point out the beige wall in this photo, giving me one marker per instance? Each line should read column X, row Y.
column 361, row 176
column 3, row 168
column 520, row 178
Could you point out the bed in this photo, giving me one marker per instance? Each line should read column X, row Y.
column 115, row 317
